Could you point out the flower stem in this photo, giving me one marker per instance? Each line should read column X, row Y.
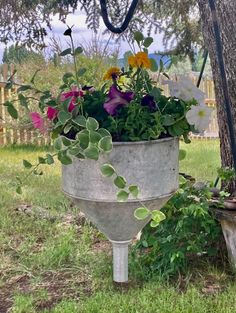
column 76, row 69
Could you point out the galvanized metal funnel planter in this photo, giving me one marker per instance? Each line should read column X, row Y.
column 152, row 165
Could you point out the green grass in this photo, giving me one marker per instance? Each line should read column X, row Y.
column 202, row 159
column 50, row 263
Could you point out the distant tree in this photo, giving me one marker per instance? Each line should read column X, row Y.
column 17, row 55
column 25, row 20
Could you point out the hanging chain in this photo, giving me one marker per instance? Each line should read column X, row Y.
column 225, row 87
column 125, row 24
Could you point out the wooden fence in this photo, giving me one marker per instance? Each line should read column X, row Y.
column 14, row 131
column 22, row 132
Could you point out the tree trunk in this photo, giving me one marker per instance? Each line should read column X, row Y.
column 226, row 13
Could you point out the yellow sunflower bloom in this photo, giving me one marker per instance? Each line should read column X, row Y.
column 140, row 59
column 112, row 73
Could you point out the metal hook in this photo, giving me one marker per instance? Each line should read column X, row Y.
column 125, row 24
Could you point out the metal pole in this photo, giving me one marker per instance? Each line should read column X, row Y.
column 227, row 100
column 120, row 260
column 205, row 56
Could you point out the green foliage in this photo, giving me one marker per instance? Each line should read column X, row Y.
column 134, row 191
column 107, row 170
column 135, row 123
column 18, row 54
column 122, row 196
column 189, row 231
column 120, row 182
column 183, row 20
column 141, row 213
column 226, row 174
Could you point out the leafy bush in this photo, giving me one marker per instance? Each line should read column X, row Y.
column 189, row 231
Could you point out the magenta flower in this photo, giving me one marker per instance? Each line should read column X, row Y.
column 52, row 113
column 117, row 99
column 74, row 93
column 37, row 121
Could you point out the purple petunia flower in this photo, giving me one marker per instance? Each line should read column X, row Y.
column 149, row 101
column 117, row 99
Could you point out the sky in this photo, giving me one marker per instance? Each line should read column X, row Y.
column 82, row 34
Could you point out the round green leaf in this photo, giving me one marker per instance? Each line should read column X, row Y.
column 154, row 224
column 80, row 121
column 64, row 116
column 27, row 164
column 122, row 196
column 158, row 216
column 41, row 160
column 104, row 132
column 74, row 150
column 83, row 139
column 12, row 111
column 107, row 170
column 141, row 213
column 65, row 52
column 120, row 182
column 94, row 137
column 105, row 144
column 64, row 158
column 91, row 152
column 168, row 120
column 49, row 159
column 67, row 128
column 23, row 101
column 138, row 36
column 147, row 42
column 58, row 143
column 78, row 50
column 66, row 142
column 134, row 190
column 92, row 124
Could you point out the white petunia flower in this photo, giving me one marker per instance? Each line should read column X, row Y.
column 184, row 89
column 199, row 116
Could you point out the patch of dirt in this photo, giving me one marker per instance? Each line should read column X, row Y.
column 36, row 212
column 212, row 286
column 66, row 220
column 102, row 246
column 58, row 285
column 18, row 283
column 63, row 285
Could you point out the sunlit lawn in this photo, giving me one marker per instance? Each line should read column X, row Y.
column 52, row 263
column 202, row 159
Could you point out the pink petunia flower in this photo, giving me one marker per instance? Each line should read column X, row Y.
column 38, row 121
column 74, row 93
column 52, row 113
